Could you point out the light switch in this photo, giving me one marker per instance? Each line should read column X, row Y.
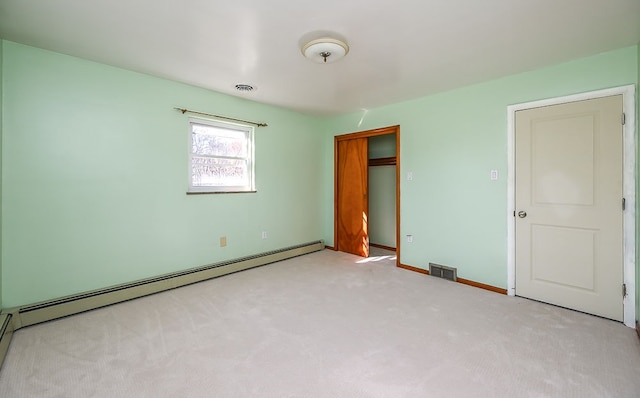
column 494, row 175
column 410, row 176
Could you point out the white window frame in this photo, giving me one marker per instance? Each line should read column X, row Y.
column 249, row 133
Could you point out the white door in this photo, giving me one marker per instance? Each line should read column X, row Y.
column 569, row 231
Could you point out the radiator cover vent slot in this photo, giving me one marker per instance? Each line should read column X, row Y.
column 442, row 271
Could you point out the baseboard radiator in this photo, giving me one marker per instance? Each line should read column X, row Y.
column 6, row 332
column 16, row 318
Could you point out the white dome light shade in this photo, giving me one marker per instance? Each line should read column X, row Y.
column 325, row 50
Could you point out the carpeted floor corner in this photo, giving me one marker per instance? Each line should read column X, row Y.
column 327, row 324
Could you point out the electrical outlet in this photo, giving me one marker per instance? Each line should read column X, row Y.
column 223, row 241
column 410, row 238
column 410, row 176
column 264, row 234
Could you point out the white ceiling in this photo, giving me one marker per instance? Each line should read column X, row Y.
column 399, row 50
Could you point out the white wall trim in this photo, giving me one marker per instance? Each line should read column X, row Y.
column 628, row 187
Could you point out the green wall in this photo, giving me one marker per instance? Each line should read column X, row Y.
column 450, row 142
column 382, row 146
column 382, row 205
column 94, row 172
column 637, row 189
column 382, row 192
column 1, row 177
column 95, row 176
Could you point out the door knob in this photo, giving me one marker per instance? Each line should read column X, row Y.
column 522, row 214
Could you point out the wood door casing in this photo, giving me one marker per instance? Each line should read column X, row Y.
column 337, row 193
column 352, row 202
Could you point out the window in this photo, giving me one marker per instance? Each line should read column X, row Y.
column 220, row 157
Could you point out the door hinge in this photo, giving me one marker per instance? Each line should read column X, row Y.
column 624, row 118
column 624, row 290
column 624, row 204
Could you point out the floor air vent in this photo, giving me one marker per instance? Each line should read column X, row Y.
column 441, row 271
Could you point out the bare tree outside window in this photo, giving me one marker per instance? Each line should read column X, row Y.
column 221, row 157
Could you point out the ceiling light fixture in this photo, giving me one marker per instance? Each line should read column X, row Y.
column 325, row 50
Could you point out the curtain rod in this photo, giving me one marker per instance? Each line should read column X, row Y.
column 184, row 110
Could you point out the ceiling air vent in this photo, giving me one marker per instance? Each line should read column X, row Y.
column 245, row 88
column 444, row 272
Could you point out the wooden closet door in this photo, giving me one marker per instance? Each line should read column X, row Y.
column 352, row 200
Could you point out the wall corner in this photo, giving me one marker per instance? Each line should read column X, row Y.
column 1, row 139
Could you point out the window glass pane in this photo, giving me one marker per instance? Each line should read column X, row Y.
column 214, row 141
column 219, row 172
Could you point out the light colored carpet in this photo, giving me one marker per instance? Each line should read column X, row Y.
column 325, row 325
